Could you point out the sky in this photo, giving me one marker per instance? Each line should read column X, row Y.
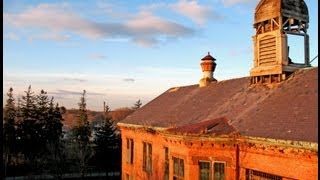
column 123, row 51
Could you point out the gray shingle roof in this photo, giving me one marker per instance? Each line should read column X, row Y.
column 287, row 111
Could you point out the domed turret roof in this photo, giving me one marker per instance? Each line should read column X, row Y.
column 208, row 57
column 267, row 9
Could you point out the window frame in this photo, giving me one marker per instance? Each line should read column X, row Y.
column 224, row 168
column 130, row 150
column 178, row 176
column 147, row 157
column 166, row 174
column 210, row 168
column 128, row 177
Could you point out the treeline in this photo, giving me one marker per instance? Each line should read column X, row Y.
column 117, row 115
column 34, row 141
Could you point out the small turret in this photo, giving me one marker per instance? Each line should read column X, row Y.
column 208, row 66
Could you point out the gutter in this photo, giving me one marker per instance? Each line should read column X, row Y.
column 313, row 146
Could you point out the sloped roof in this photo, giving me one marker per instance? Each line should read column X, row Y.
column 288, row 111
column 216, row 126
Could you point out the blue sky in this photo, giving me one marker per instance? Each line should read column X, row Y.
column 122, row 51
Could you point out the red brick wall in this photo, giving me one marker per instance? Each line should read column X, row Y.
column 286, row 162
column 157, row 154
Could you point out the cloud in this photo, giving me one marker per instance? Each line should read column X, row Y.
column 235, row 2
column 11, row 36
column 74, row 79
column 193, row 10
column 55, row 36
column 128, row 80
column 152, row 7
column 59, row 22
column 68, row 92
column 198, row 13
column 56, row 18
column 97, row 56
column 64, row 92
column 148, row 29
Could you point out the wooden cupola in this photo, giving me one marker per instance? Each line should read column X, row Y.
column 273, row 21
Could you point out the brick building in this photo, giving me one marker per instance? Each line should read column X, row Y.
column 260, row 127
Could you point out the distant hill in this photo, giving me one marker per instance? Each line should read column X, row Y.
column 117, row 115
column 69, row 115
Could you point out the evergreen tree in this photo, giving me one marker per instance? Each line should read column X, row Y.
column 137, row 105
column 107, row 141
column 53, row 124
column 57, row 162
column 28, row 131
column 81, row 134
column 33, row 129
column 28, row 106
column 55, row 159
column 9, row 130
column 42, row 110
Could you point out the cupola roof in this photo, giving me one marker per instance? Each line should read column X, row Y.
column 208, row 57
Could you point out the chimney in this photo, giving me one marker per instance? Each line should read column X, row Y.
column 208, row 66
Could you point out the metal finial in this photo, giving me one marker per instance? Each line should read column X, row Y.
column 208, row 53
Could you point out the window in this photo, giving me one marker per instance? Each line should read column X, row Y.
column 207, row 172
column 255, row 175
column 129, row 177
column 218, row 170
column 129, row 151
column 166, row 163
column 147, row 157
column 178, row 168
column 204, row 170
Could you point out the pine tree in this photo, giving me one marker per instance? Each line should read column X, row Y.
column 53, row 124
column 28, row 105
column 42, row 108
column 107, row 141
column 81, row 134
column 105, row 134
column 137, row 105
column 9, row 130
column 28, row 131
column 57, row 162
column 49, row 116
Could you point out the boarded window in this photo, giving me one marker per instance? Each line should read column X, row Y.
column 204, row 170
column 166, row 163
column 178, row 168
column 219, row 170
column 147, row 157
column 129, row 151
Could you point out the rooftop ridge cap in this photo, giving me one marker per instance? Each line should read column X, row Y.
column 183, row 86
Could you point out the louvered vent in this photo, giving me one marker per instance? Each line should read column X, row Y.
column 267, row 51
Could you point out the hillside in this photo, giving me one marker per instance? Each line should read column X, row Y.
column 118, row 114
